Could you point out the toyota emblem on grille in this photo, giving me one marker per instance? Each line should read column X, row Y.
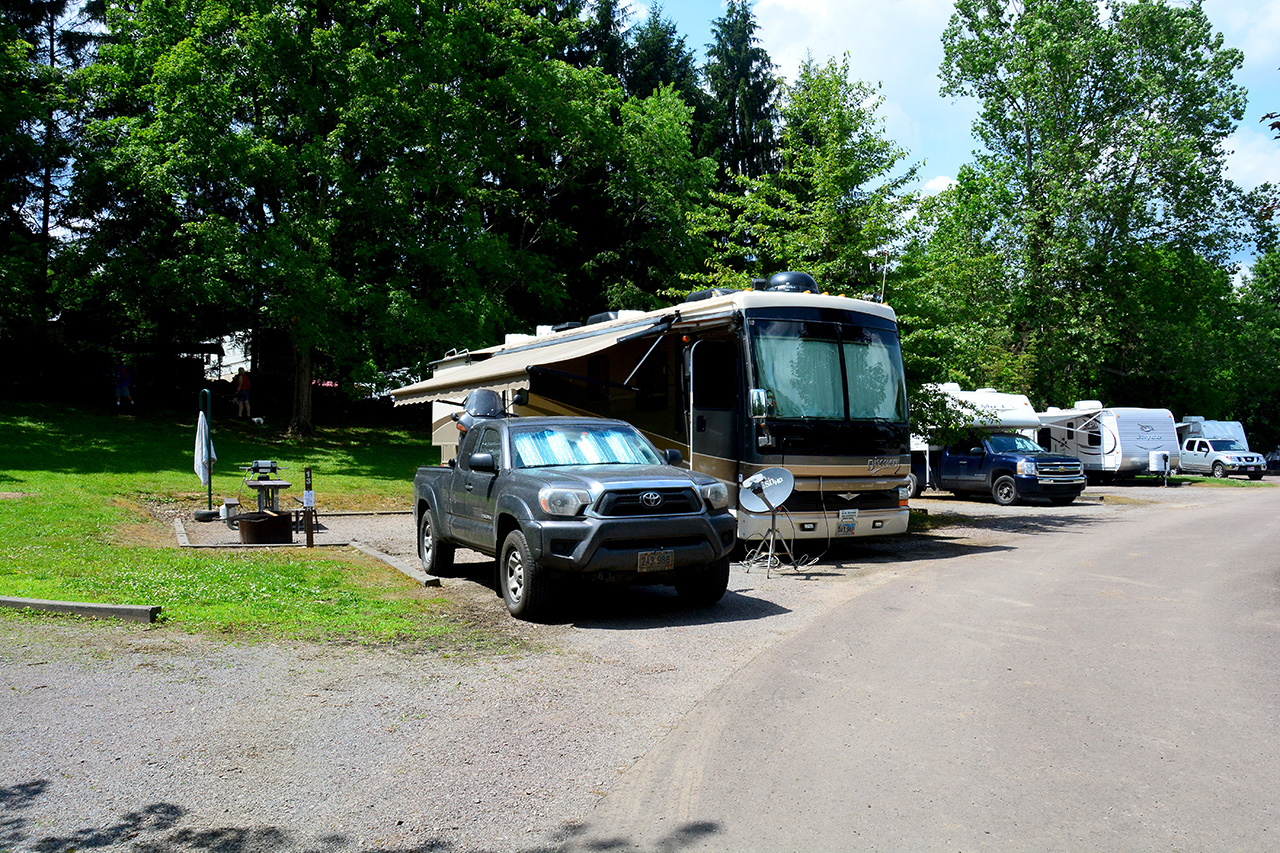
column 651, row 499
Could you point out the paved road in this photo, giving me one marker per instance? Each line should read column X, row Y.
column 1106, row 686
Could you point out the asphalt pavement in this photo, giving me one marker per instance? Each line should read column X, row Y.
column 1097, row 686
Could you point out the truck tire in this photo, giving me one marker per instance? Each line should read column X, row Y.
column 523, row 581
column 436, row 555
column 704, row 585
column 916, row 486
column 1256, row 476
column 1219, row 470
column 1004, row 490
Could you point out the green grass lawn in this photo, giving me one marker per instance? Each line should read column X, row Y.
column 77, row 490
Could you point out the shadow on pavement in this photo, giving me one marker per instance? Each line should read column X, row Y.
column 157, row 828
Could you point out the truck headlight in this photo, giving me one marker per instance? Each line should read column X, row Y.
column 1027, row 467
column 716, row 495
column 563, row 501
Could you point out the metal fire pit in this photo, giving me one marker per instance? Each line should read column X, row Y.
column 265, row 528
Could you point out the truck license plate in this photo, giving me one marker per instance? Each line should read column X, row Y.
column 655, row 561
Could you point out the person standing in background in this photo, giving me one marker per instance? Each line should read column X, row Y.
column 241, row 387
column 124, row 379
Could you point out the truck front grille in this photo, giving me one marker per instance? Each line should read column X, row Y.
column 1060, row 469
column 639, row 502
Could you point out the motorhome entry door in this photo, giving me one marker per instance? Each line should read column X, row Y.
column 713, row 408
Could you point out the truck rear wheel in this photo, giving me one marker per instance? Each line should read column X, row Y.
column 523, row 581
column 704, row 585
column 1004, row 490
column 436, row 556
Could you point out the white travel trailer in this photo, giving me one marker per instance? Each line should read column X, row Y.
column 1110, row 441
column 737, row 381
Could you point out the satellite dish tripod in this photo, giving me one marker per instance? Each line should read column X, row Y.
column 771, row 488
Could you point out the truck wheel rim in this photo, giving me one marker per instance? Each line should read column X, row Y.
column 515, row 575
column 426, row 539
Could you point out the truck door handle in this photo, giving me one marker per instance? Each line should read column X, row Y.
column 470, row 486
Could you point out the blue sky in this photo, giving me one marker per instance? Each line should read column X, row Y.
column 897, row 43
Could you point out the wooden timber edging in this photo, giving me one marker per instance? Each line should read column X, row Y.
column 128, row 612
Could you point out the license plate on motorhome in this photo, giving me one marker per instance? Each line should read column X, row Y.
column 655, row 561
column 847, row 523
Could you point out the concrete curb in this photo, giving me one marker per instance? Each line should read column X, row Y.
column 397, row 564
column 128, row 612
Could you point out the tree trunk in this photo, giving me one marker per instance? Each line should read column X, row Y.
column 300, row 423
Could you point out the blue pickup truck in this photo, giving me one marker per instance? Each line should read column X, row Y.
column 577, row 497
column 1008, row 466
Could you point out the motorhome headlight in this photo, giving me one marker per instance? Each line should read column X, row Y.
column 1027, row 467
column 716, row 495
column 557, row 501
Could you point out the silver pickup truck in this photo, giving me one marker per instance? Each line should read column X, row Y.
column 1220, row 457
column 551, row 497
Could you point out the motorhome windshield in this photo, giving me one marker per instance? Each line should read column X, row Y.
column 829, row 371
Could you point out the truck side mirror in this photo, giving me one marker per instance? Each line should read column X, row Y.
column 673, row 456
column 976, row 451
column 482, row 462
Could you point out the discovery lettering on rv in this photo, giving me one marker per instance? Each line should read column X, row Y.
column 876, row 464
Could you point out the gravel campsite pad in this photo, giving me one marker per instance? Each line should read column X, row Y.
column 135, row 737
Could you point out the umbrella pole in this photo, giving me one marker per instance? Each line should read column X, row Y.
column 206, row 403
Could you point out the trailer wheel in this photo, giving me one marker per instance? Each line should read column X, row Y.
column 704, row 585
column 436, row 556
column 523, row 581
column 1219, row 470
column 1004, row 490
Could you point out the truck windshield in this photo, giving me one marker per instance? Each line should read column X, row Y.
column 574, row 444
column 1003, row 443
column 829, row 371
column 1226, row 444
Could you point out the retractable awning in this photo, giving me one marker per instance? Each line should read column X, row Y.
column 506, row 371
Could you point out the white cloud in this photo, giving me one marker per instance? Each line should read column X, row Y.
column 933, row 186
column 1254, row 157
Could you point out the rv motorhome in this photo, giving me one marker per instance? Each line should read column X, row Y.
column 737, row 381
column 1110, row 441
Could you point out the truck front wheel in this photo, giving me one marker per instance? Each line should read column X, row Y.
column 436, row 556
column 704, row 585
column 1219, row 470
column 523, row 581
column 1004, row 490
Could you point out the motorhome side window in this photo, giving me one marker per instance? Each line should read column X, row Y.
column 491, row 442
column 598, row 373
column 1095, row 436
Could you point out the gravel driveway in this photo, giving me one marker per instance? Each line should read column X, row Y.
column 145, row 739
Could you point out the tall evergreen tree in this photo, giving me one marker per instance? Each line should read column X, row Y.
column 740, row 77
column 603, row 39
column 659, row 57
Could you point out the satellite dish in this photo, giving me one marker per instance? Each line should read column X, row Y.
column 773, row 485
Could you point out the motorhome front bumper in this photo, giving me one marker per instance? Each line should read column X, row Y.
column 843, row 524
